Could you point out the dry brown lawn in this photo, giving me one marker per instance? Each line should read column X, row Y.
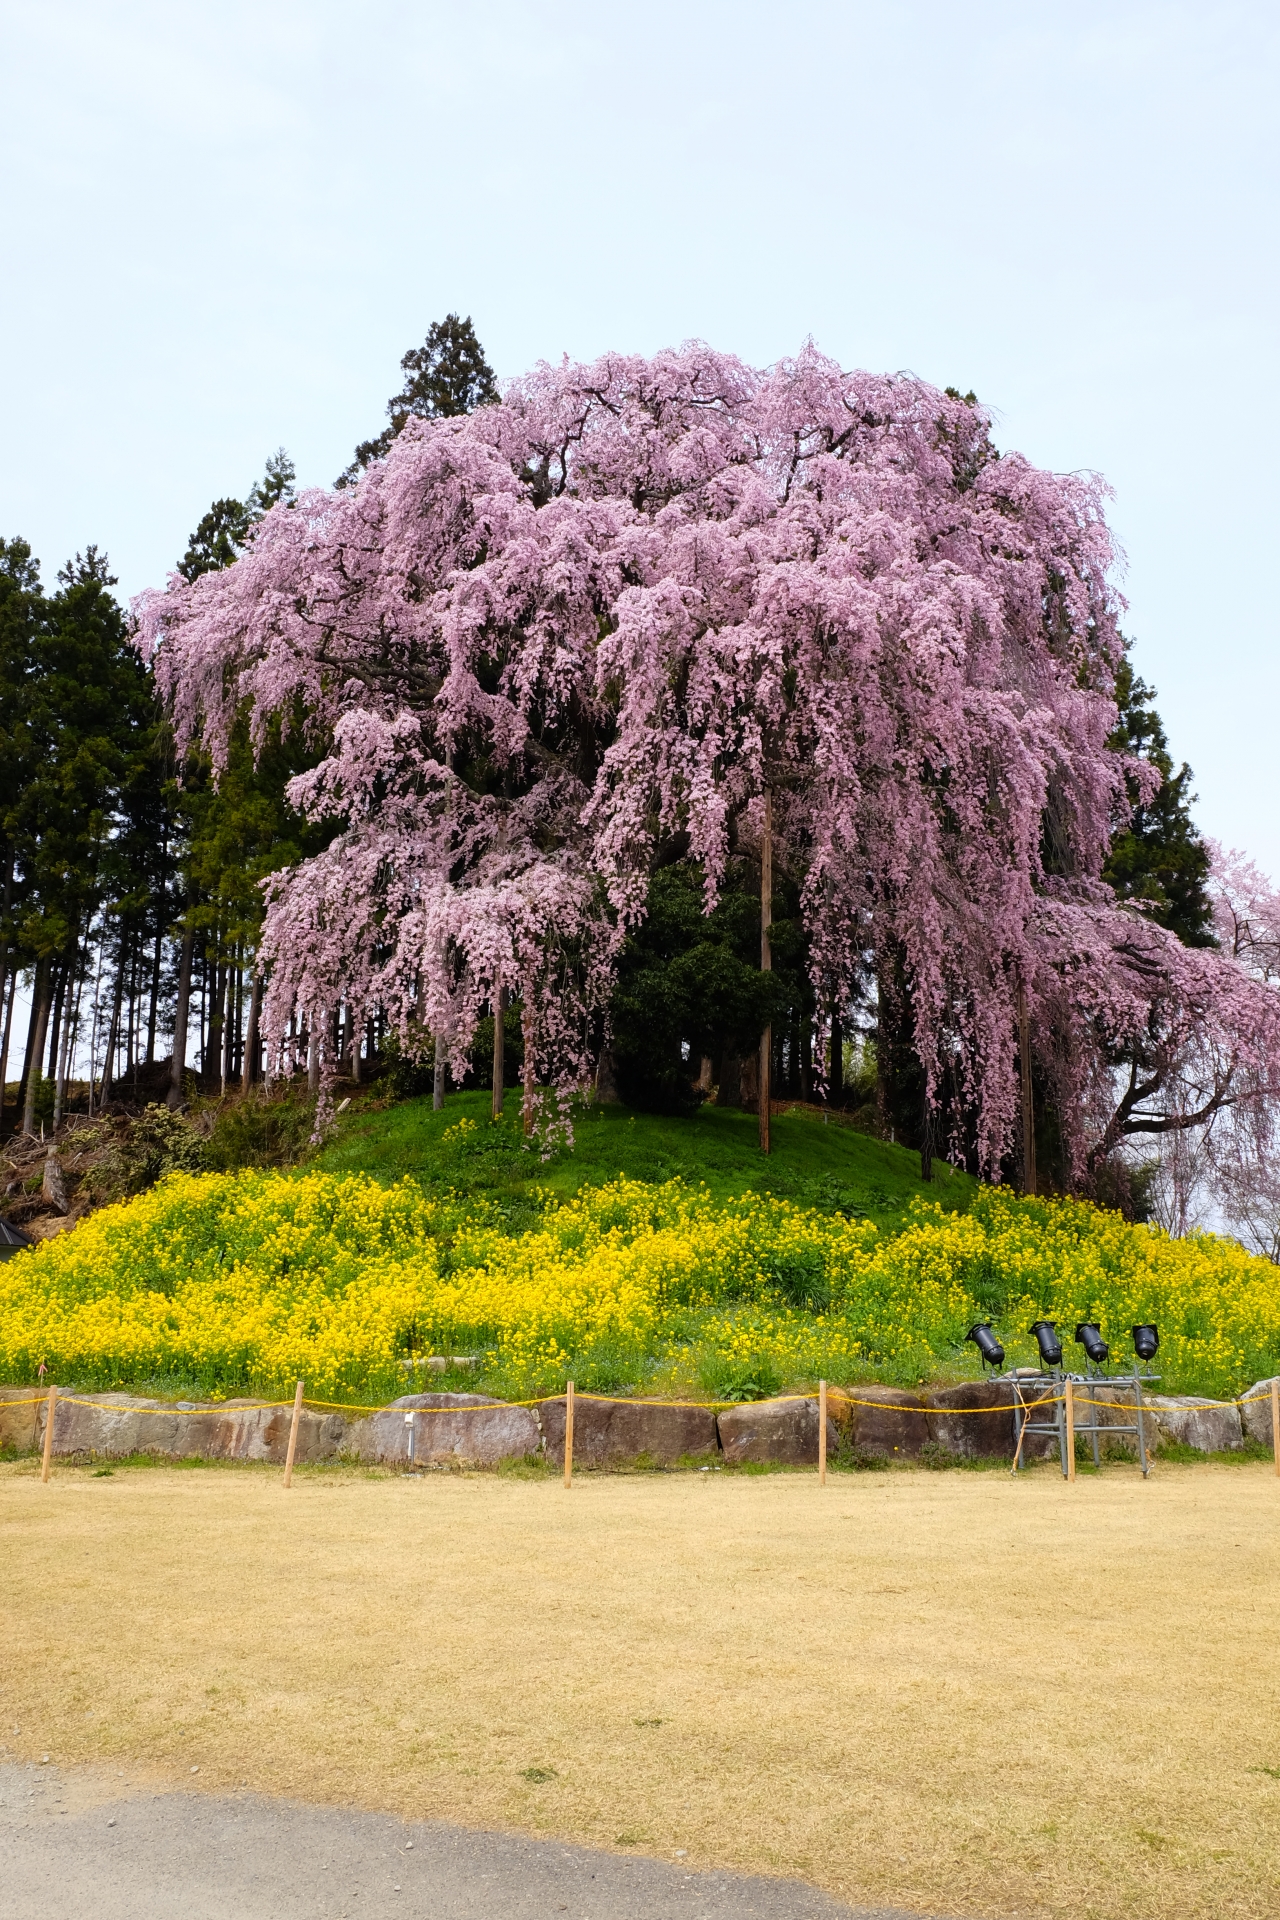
column 953, row 1692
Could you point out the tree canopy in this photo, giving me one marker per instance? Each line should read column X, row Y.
column 547, row 644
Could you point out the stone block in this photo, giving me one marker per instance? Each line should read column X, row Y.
column 116, row 1424
column 774, row 1432
column 447, row 1429
column 1210, row 1426
column 975, row 1421
column 1255, row 1414
column 257, row 1433
column 608, row 1433
column 880, row 1420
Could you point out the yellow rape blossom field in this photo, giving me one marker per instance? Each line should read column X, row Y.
column 244, row 1282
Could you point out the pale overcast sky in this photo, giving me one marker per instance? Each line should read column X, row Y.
column 226, row 224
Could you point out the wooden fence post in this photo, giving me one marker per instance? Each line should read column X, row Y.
column 822, row 1433
column 293, row 1436
column 1275, row 1422
column 1071, row 1429
column 568, row 1435
column 48, row 1433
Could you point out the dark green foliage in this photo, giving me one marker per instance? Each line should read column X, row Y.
column 446, row 376
column 799, row 1277
column 1159, row 856
column 738, row 1380
column 242, row 829
column 90, row 720
column 217, row 540
column 22, row 620
column 220, row 537
column 261, row 1131
column 689, row 985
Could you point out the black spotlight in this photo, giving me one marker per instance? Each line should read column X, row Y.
column 987, row 1344
column 1048, row 1342
column 1146, row 1339
column 1090, row 1338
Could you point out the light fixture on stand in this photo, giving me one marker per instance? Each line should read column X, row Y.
column 1048, row 1342
column 1146, row 1342
column 1089, row 1335
column 987, row 1344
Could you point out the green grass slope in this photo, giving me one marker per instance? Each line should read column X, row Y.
column 829, row 1167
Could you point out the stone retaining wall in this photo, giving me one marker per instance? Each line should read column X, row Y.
column 474, row 1430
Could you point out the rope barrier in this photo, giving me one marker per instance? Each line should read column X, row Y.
column 489, row 1406
column 604, row 1399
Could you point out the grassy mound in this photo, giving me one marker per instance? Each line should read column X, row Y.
column 235, row 1282
column 829, row 1168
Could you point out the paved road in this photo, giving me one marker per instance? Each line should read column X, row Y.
column 86, row 1847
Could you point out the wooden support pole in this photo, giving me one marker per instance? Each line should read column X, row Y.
column 1275, row 1422
column 766, row 966
column 499, row 1043
column 1070, row 1390
column 568, row 1434
column 530, row 1085
column 822, row 1433
column 1028, row 1109
column 293, row 1436
column 48, row 1433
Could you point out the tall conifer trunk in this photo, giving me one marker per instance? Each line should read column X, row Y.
column 59, row 970
column 70, row 1029
column 4, row 1038
column 250, row 1070
column 154, row 998
column 40, row 999
column 178, row 1065
column 113, row 1031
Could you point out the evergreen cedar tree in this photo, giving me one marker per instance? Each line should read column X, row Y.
column 552, row 645
column 77, row 786
column 446, row 377
column 1157, row 856
column 221, row 535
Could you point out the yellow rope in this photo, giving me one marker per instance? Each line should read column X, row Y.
column 490, row 1406
column 601, row 1399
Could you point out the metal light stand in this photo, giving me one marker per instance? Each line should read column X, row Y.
column 1023, row 1424
column 1034, row 1386
column 1093, row 1377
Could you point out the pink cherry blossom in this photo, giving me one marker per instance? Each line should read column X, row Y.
column 605, row 614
